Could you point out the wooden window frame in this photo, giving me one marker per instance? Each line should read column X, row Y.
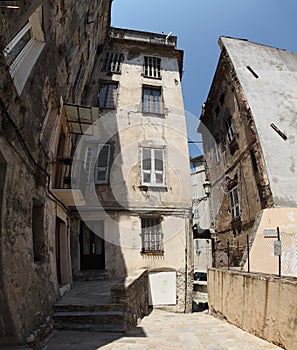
column 230, row 129
column 152, row 171
column 152, row 100
column 107, row 99
column 234, row 202
column 92, row 164
column 24, row 61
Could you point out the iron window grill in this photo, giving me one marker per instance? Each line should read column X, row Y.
column 152, row 67
column 112, row 62
column 152, row 236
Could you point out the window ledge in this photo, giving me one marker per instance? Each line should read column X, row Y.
column 161, row 188
column 161, row 253
column 155, row 78
column 152, row 114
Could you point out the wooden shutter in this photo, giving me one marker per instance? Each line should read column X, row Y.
column 102, row 165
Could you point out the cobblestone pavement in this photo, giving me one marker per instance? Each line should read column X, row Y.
column 164, row 330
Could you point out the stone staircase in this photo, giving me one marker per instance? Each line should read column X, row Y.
column 88, row 306
column 95, row 318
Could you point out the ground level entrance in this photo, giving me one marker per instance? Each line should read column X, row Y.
column 92, row 245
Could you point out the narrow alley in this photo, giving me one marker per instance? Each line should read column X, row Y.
column 164, row 330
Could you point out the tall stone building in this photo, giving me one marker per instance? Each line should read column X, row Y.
column 249, row 133
column 47, row 50
column 137, row 195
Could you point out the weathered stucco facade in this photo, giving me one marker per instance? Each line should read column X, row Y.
column 140, row 223
column 43, row 45
column 247, row 133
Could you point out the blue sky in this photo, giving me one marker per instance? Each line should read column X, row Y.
column 199, row 23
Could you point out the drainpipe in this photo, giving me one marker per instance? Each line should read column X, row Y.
column 186, row 262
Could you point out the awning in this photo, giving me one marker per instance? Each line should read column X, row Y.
column 81, row 118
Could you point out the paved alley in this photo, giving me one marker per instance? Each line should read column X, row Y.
column 164, row 330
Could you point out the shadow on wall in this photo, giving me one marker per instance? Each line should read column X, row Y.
column 7, row 326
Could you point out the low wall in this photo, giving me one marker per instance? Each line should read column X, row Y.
column 264, row 305
column 134, row 294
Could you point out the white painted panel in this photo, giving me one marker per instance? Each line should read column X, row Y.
column 162, row 288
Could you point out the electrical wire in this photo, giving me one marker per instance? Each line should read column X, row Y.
column 4, row 111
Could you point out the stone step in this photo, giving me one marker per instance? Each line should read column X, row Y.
column 58, row 307
column 89, row 317
column 92, row 275
column 115, row 328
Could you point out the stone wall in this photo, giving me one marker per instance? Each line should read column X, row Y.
column 264, row 305
column 28, row 120
column 134, row 294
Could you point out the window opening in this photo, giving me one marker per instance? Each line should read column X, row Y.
column 152, row 166
column 152, row 101
column 38, row 231
column 152, row 236
column 107, row 96
column 152, row 67
column 112, row 62
column 96, row 163
column 230, row 129
column 234, row 201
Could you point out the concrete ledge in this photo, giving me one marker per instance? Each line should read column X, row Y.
column 264, row 305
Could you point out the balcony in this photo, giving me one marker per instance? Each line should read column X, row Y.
column 70, row 193
column 135, row 35
column 69, row 180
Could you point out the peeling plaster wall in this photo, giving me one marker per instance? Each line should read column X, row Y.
column 127, row 129
column 272, row 99
column 235, row 163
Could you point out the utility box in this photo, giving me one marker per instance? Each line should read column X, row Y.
column 162, row 288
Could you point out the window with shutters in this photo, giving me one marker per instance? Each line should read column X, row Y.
column 230, row 129
column 152, row 67
column 152, row 100
column 112, row 62
column 96, row 163
column 151, row 234
column 152, row 166
column 234, row 202
column 217, row 151
column 22, row 52
column 107, row 95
